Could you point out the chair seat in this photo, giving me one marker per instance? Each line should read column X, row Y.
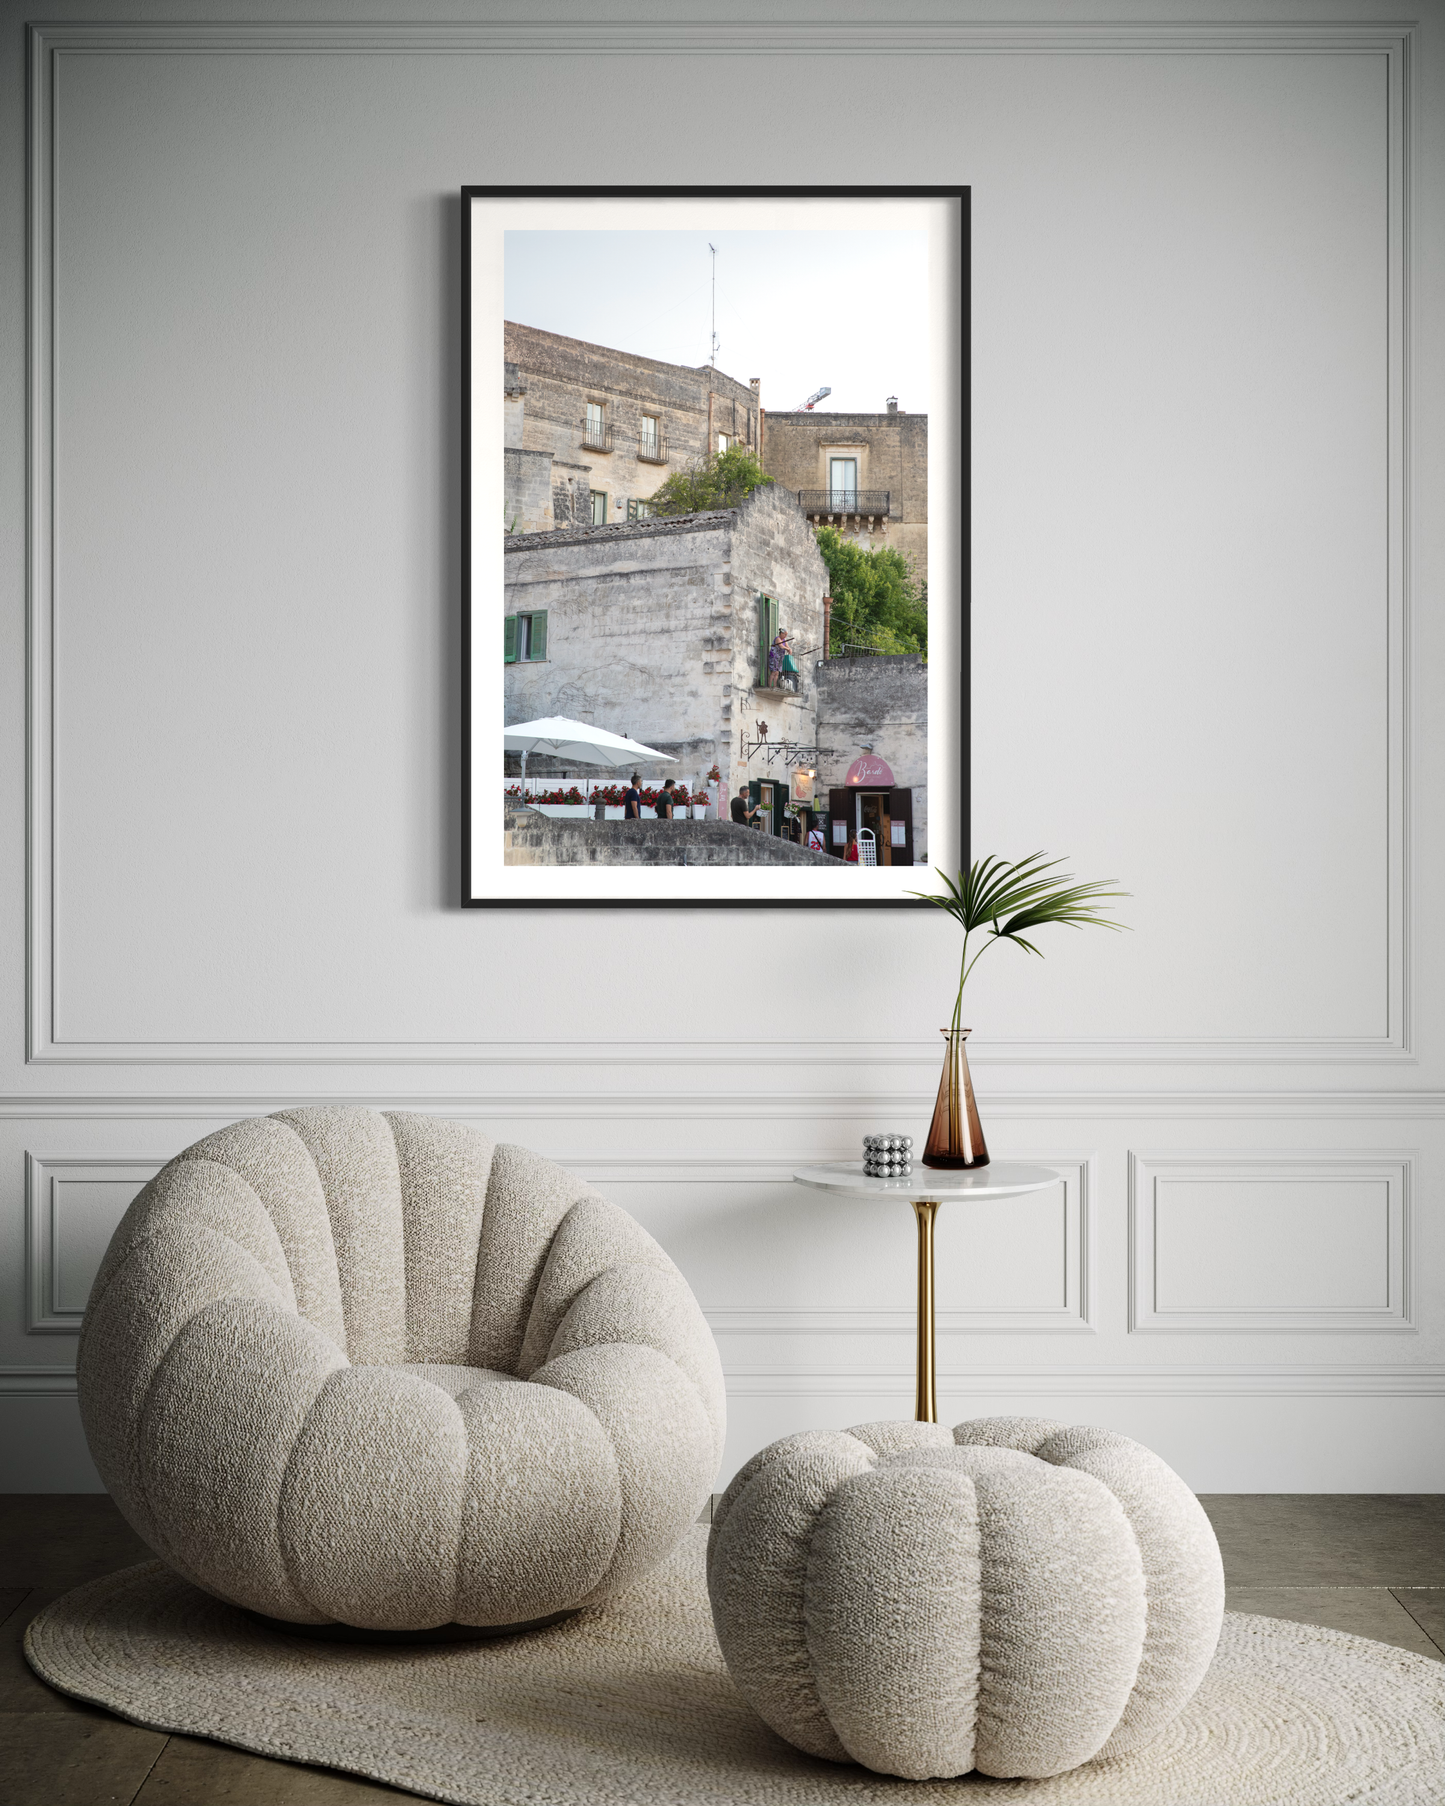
column 341, row 1366
column 454, row 1381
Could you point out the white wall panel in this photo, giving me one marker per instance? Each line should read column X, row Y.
column 1292, row 1243
column 1206, row 540
column 72, row 1208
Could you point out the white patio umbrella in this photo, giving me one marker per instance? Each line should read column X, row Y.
column 577, row 742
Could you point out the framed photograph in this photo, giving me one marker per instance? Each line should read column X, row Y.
column 716, row 479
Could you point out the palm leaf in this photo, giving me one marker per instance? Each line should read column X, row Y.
column 1004, row 899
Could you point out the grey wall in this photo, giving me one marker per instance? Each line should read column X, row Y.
column 1207, row 563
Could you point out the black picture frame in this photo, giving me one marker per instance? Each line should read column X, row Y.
column 959, row 195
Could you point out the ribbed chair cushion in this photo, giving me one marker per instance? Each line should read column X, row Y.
column 346, row 1366
column 1012, row 1595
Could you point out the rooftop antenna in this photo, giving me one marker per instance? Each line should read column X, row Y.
column 713, row 249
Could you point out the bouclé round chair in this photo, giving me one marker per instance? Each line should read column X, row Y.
column 348, row 1368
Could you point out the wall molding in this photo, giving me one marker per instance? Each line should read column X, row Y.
column 988, row 1383
column 1082, row 1381
column 1395, row 1170
column 45, row 1174
column 853, row 1106
column 776, row 37
column 47, row 1043
column 37, row 1382
column 633, row 1055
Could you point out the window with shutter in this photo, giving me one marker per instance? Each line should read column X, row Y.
column 539, row 634
column 509, row 634
column 767, row 633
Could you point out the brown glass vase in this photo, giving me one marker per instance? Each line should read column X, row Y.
column 955, row 1136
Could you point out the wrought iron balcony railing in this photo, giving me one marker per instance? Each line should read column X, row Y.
column 596, row 437
column 844, row 501
column 652, row 448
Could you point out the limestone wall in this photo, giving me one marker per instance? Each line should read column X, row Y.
column 652, row 631
column 883, row 700
column 892, row 454
column 527, row 490
column 560, row 375
column 534, row 839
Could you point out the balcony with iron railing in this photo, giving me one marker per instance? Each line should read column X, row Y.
column 652, row 448
column 597, row 435
column 872, row 502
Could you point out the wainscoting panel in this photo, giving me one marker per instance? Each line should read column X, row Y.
column 811, row 1297
column 1279, row 1243
column 72, row 1207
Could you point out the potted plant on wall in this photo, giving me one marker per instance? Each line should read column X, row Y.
column 1000, row 901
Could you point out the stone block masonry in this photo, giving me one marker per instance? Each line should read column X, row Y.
column 651, row 418
column 889, row 452
column 530, row 838
column 882, row 700
column 652, row 630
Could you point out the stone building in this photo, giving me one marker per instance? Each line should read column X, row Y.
column 658, row 629
column 612, row 423
column 865, row 474
column 873, row 725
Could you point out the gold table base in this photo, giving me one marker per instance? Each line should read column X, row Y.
column 925, row 1402
column 1003, row 1179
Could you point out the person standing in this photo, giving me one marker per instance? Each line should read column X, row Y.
column 632, row 800
column 742, row 811
column 775, row 660
column 662, row 802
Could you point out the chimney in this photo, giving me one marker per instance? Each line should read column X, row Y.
column 892, row 404
column 827, row 622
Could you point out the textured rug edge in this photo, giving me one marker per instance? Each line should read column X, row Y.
column 55, row 1620
column 173, row 1727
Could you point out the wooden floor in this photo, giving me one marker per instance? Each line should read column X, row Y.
column 1363, row 1562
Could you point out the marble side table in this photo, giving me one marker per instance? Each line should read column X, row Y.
column 926, row 1188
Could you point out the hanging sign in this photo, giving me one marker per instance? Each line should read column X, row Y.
column 869, row 773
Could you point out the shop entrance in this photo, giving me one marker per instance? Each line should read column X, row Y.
column 886, row 814
column 872, row 814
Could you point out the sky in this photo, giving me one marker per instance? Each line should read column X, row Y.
column 798, row 309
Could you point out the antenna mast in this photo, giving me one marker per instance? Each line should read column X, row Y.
column 713, row 249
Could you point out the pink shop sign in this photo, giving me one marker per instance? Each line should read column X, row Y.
column 869, row 773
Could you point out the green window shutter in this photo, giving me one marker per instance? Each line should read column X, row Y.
column 767, row 633
column 509, row 624
column 539, row 634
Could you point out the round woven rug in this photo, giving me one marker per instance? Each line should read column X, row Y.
column 629, row 1705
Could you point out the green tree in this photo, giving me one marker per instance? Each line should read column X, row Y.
column 876, row 601
column 721, row 480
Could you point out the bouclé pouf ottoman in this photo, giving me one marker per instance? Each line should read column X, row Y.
column 1014, row 1595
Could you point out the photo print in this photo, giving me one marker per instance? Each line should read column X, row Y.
column 716, row 609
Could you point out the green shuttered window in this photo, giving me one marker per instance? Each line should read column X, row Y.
column 526, row 637
column 767, row 633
